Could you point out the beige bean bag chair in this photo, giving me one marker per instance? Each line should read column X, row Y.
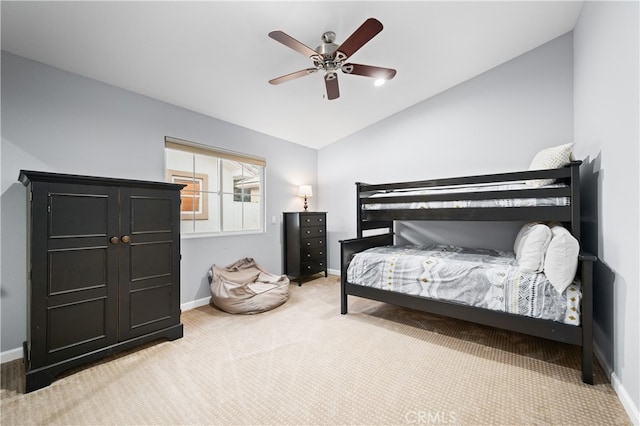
column 244, row 287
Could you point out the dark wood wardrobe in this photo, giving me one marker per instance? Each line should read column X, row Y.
column 103, row 269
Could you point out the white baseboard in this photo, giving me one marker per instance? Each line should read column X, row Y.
column 11, row 355
column 334, row 272
column 625, row 399
column 195, row 303
column 17, row 353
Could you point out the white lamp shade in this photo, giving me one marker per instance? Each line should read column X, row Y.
column 305, row 191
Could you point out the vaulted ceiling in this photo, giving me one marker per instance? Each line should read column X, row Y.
column 215, row 57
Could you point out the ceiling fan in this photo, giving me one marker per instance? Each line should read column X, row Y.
column 329, row 57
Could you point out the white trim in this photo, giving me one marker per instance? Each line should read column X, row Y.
column 186, row 236
column 18, row 353
column 618, row 387
column 625, row 399
column 334, row 271
column 11, row 355
column 195, row 303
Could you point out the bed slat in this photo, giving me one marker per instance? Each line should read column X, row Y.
column 546, row 213
column 564, row 172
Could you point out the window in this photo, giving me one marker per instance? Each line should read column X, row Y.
column 224, row 191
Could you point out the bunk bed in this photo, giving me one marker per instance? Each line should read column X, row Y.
column 549, row 195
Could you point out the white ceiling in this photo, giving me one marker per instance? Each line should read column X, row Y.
column 215, row 57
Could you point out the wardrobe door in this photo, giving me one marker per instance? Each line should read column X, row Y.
column 149, row 260
column 74, row 270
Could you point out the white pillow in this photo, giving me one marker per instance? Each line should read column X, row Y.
column 530, row 246
column 550, row 158
column 561, row 259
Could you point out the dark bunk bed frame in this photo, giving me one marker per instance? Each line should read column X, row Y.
column 569, row 216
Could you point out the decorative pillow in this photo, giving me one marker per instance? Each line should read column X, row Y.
column 550, row 158
column 561, row 259
column 530, row 246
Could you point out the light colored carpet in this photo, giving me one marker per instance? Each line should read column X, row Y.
column 304, row 363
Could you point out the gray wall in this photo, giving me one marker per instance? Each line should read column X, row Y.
column 493, row 123
column 60, row 122
column 607, row 122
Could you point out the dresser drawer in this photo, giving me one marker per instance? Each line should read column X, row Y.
column 316, row 252
column 313, row 266
column 312, row 220
column 312, row 232
column 309, row 243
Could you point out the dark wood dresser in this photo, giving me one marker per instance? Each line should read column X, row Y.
column 103, row 269
column 305, row 244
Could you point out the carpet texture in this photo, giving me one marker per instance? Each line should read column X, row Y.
column 304, row 363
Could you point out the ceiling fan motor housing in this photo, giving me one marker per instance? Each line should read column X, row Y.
column 328, row 60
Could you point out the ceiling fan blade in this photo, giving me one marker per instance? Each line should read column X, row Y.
column 331, row 83
column 291, row 42
column 369, row 71
column 359, row 38
column 293, row 76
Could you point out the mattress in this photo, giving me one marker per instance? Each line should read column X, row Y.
column 489, row 279
column 462, row 203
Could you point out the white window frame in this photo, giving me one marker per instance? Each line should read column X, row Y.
column 220, row 155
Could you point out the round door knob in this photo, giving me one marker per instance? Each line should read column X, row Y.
column 114, row 240
column 126, row 239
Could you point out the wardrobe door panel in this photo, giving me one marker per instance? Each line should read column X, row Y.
column 74, row 271
column 142, row 269
column 150, row 306
column 150, row 261
column 78, row 324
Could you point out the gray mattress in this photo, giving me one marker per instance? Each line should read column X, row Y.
column 483, row 278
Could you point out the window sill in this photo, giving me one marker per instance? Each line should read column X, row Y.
column 191, row 236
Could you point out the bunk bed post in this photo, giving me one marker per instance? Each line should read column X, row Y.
column 575, row 199
column 586, row 276
column 358, row 211
column 343, row 279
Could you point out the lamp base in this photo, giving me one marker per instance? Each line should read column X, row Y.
column 306, row 206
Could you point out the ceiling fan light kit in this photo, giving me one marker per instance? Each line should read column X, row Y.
column 330, row 57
